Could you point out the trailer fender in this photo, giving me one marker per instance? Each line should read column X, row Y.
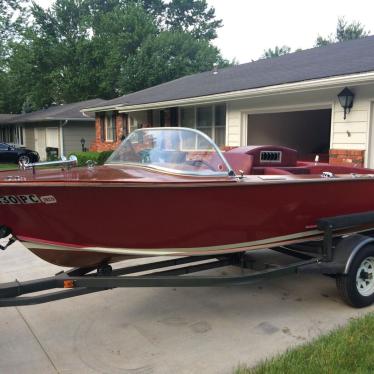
column 347, row 249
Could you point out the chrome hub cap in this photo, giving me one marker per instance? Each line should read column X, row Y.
column 365, row 277
column 24, row 159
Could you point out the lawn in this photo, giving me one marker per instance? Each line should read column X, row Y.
column 346, row 350
column 8, row 166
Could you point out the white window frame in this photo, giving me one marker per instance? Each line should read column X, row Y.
column 213, row 107
column 108, row 122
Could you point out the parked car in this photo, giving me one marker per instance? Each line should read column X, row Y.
column 11, row 153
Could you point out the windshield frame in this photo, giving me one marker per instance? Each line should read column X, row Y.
column 229, row 172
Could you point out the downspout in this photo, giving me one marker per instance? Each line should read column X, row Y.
column 62, row 124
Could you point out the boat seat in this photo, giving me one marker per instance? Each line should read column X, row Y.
column 240, row 162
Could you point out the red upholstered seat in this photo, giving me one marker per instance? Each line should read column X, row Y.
column 239, row 162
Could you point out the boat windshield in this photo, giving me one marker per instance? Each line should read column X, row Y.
column 172, row 149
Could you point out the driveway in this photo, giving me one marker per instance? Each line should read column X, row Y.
column 163, row 330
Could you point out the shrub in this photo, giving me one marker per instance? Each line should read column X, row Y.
column 103, row 156
column 98, row 157
column 83, row 157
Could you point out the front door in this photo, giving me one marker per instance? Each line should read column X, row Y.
column 40, row 142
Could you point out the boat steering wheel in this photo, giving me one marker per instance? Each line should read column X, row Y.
column 200, row 162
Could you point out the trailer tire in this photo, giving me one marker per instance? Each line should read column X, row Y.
column 357, row 286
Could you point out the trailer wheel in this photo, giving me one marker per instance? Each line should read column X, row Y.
column 357, row 286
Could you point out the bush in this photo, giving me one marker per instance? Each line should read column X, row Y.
column 103, row 156
column 98, row 157
column 83, row 157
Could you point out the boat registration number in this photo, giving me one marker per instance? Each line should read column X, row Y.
column 27, row 199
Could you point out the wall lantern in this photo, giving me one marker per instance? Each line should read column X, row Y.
column 83, row 141
column 346, row 100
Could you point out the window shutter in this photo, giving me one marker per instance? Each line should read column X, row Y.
column 125, row 125
column 162, row 118
column 114, row 127
column 174, row 116
column 102, row 127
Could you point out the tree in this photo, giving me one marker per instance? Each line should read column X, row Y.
column 192, row 16
column 344, row 31
column 276, row 51
column 12, row 21
column 168, row 56
column 81, row 49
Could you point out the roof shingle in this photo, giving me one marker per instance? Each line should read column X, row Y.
column 355, row 56
column 63, row 112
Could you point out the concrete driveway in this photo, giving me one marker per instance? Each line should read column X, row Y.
column 163, row 330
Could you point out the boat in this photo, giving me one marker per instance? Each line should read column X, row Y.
column 173, row 192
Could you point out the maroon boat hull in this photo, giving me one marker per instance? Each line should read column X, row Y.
column 85, row 224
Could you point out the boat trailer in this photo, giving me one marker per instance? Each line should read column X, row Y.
column 348, row 258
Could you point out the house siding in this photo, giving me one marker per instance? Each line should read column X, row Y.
column 233, row 125
column 355, row 133
column 352, row 132
column 29, row 137
column 73, row 132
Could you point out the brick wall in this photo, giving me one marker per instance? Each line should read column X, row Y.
column 348, row 157
column 120, row 123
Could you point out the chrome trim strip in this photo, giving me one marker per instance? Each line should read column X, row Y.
column 247, row 181
column 238, row 247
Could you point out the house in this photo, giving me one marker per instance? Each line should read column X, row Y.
column 10, row 133
column 62, row 127
column 290, row 100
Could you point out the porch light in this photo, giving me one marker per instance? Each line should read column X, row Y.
column 346, row 100
column 83, row 141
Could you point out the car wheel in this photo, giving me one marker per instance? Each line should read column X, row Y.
column 357, row 286
column 24, row 159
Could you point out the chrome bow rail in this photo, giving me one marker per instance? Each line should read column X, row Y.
column 64, row 162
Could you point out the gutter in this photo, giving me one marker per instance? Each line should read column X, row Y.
column 315, row 84
column 25, row 122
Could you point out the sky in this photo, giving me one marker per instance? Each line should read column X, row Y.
column 251, row 26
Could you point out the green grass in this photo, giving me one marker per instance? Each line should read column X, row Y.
column 346, row 350
column 8, row 166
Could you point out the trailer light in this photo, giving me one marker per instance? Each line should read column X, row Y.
column 68, row 284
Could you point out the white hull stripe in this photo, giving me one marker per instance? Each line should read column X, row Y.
column 258, row 244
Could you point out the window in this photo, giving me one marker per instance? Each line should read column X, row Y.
column 109, row 124
column 133, row 124
column 210, row 120
column 187, row 117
